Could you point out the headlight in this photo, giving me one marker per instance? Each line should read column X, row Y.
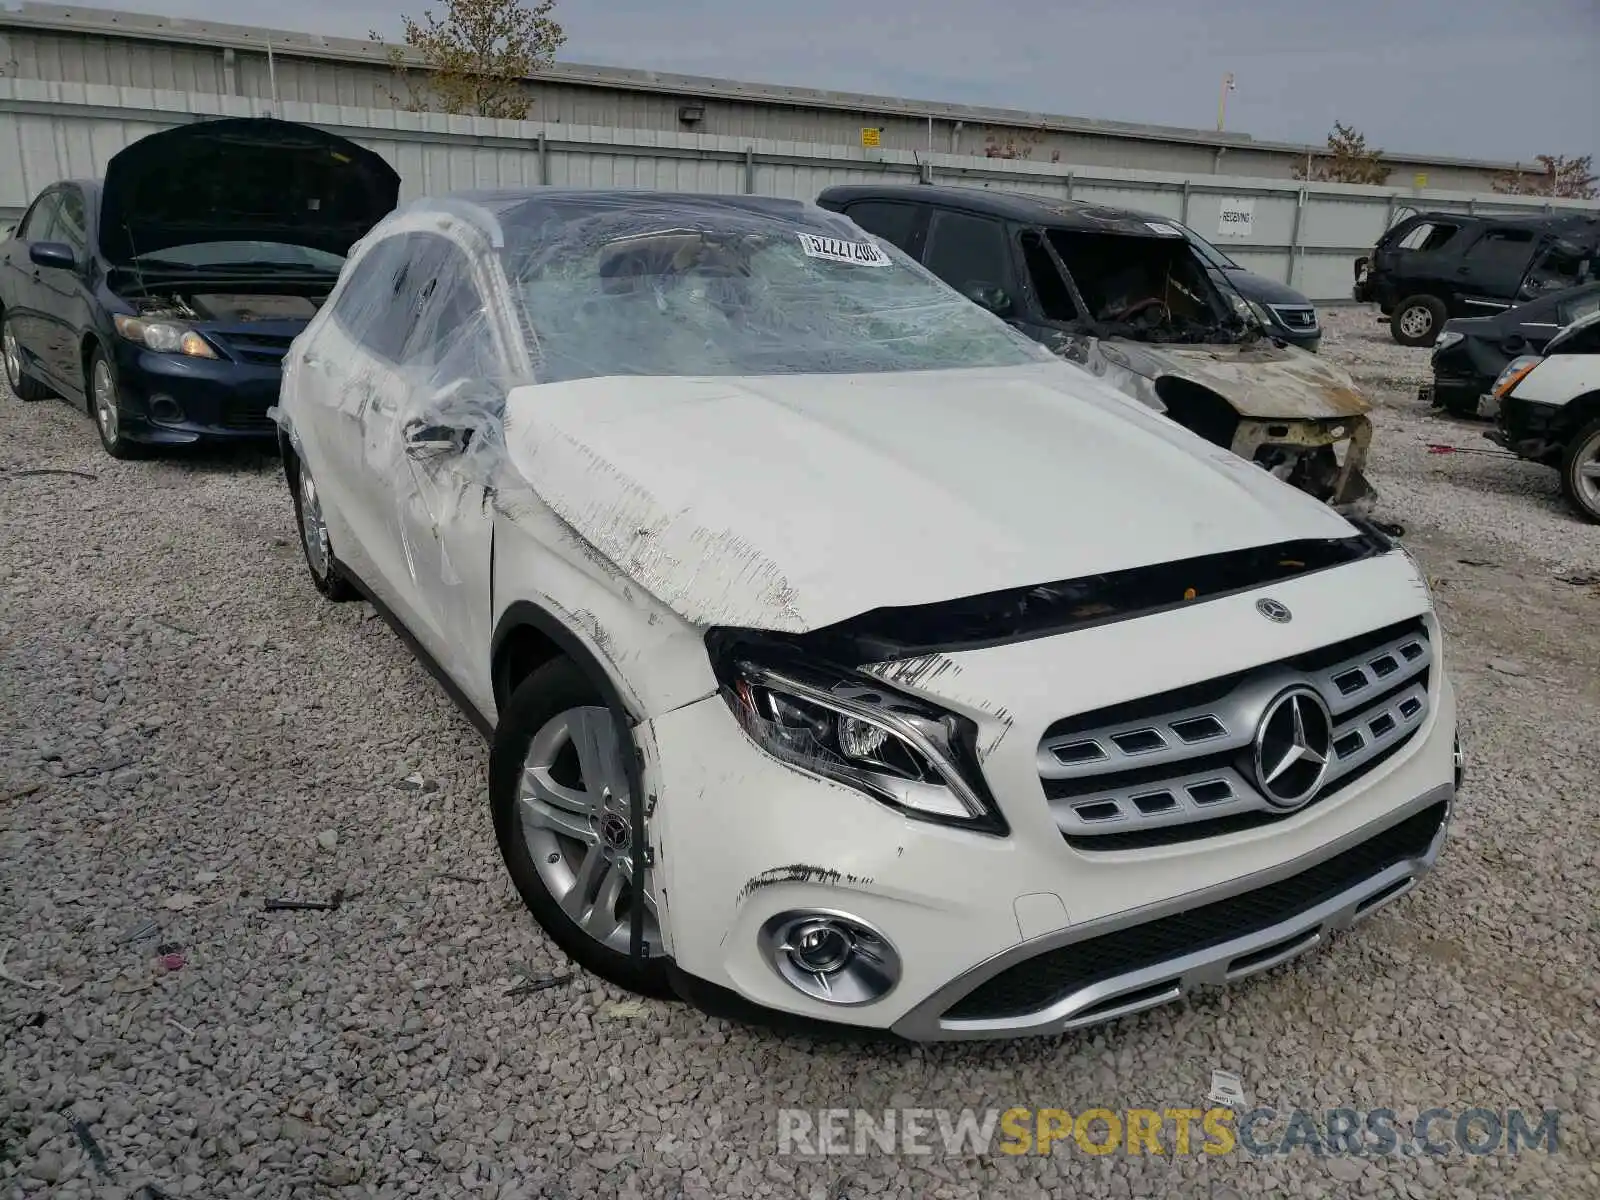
column 1516, row 371
column 1448, row 338
column 900, row 751
column 164, row 337
column 1262, row 313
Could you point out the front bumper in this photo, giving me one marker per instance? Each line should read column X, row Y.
column 169, row 399
column 1536, row 432
column 741, row 838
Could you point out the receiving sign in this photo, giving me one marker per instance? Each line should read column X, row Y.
column 1236, row 217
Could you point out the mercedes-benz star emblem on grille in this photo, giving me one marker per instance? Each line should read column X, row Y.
column 1273, row 611
column 1293, row 745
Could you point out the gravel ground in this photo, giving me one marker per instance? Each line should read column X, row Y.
column 185, row 728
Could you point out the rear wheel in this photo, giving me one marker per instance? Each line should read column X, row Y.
column 559, row 792
column 25, row 386
column 1417, row 320
column 1580, row 471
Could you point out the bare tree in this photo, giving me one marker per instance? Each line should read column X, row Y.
column 476, row 57
column 1347, row 160
column 1551, row 175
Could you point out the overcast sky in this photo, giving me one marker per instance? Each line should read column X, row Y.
column 1480, row 79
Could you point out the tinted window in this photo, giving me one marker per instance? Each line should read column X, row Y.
column 72, row 223
column 967, row 251
column 892, row 222
column 1428, row 236
column 1055, row 300
column 36, row 225
column 451, row 333
column 378, row 305
column 1501, row 249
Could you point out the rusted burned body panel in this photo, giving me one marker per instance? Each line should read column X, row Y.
column 1292, row 409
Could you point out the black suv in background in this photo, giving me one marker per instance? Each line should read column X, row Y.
column 1431, row 266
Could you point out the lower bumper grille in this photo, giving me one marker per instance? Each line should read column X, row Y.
column 245, row 418
column 1036, row 983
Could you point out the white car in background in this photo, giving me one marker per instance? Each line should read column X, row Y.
column 1547, row 410
column 842, row 651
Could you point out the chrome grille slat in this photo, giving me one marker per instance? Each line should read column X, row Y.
column 1096, row 776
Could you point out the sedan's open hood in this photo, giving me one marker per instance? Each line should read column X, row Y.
column 791, row 502
column 242, row 179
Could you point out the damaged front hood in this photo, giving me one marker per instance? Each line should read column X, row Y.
column 1262, row 380
column 792, row 502
column 242, row 180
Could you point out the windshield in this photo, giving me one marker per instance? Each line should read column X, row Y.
column 692, row 291
column 243, row 254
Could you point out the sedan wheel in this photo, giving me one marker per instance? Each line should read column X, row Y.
column 1580, row 471
column 560, row 795
column 103, row 404
column 314, row 539
column 577, row 825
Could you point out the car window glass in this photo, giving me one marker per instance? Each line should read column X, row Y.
column 1427, row 236
column 451, row 338
column 1563, row 265
column 1055, row 300
column 378, row 305
column 1501, row 248
column 36, row 226
column 967, row 252
column 72, row 225
column 892, row 222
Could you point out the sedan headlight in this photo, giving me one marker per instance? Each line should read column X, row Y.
column 1516, row 371
column 901, row 751
column 164, row 337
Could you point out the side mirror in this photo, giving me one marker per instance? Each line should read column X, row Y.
column 425, row 441
column 991, row 297
column 53, row 254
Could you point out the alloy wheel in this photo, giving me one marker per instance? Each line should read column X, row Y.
column 313, row 528
column 573, row 804
column 13, row 358
column 1586, row 473
column 105, row 401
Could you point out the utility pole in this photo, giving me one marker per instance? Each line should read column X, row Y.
column 1222, row 100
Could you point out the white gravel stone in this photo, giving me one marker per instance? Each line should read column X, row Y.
column 190, row 715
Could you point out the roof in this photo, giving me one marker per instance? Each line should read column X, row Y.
column 1554, row 217
column 1006, row 206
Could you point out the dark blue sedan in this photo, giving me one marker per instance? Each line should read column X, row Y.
column 163, row 298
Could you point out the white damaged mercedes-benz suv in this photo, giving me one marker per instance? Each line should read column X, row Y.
column 843, row 652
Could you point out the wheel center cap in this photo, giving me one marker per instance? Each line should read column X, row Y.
column 614, row 832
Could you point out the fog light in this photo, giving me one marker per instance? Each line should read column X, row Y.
column 1461, row 763
column 830, row 956
column 165, row 408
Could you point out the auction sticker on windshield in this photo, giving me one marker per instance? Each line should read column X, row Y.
column 861, row 254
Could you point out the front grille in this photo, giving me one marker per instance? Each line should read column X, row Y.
column 1035, row 984
column 1181, row 764
column 265, row 349
column 245, row 417
column 1300, row 318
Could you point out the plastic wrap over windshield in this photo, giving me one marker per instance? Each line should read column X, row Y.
column 731, row 287
column 449, row 305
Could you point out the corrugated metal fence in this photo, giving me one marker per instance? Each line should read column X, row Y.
column 1304, row 235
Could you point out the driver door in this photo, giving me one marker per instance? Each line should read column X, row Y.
column 455, row 363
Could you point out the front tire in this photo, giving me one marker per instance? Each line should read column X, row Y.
column 106, row 408
column 1417, row 320
column 1580, row 471
column 23, row 386
column 558, row 792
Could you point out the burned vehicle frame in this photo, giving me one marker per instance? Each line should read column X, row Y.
column 1128, row 299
